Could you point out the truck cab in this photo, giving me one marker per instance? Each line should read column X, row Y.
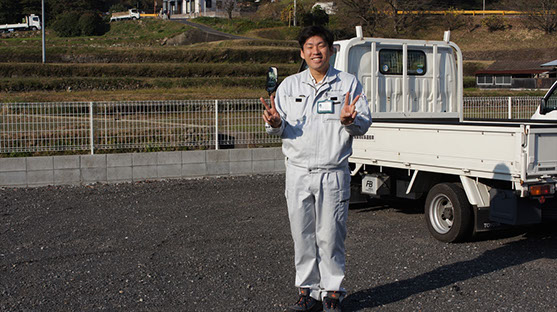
column 548, row 107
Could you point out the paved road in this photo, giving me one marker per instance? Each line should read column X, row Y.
column 223, row 244
column 210, row 30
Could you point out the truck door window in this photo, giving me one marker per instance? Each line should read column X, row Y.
column 390, row 62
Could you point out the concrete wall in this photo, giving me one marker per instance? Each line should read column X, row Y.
column 114, row 168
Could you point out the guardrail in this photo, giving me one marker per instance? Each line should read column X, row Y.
column 156, row 125
column 466, row 12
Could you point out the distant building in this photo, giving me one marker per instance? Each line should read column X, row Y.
column 517, row 75
column 195, row 8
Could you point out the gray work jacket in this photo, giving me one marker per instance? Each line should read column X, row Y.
column 316, row 140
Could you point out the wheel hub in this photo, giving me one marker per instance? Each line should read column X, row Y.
column 441, row 214
column 447, row 214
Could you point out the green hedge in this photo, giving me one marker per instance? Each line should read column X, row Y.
column 171, row 70
column 469, row 82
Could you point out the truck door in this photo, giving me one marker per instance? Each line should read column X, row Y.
column 548, row 107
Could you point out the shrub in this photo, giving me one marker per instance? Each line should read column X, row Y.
column 320, row 17
column 494, row 23
column 453, row 19
column 317, row 17
column 91, row 24
column 470, row 68
column 469, row 82
column 66, row 24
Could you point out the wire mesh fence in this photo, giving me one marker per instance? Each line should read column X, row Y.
column 520, row 107
column 34, row 127
column 93, row 126
column 195, row 124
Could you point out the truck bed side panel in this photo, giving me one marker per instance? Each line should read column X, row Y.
column 487, row 152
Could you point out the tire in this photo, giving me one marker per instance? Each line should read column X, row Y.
column 448, row 213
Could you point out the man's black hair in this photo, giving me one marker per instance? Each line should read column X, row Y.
column 311, row 31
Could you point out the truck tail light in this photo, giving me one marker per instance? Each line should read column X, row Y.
column 540, row 190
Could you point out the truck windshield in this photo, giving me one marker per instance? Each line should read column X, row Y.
column 550, row 100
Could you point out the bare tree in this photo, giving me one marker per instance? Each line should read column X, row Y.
column 404, row 14
column 362, row 12
column 228, row 6
column 541, row 14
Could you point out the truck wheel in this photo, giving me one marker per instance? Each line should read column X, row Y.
column 448, row 213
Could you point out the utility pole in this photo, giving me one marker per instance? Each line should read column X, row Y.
column 42, row 31
column 295, row 12
column 484, row 6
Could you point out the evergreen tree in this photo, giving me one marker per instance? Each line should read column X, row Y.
column 10, row 11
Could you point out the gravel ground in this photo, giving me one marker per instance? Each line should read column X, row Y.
column 223, row 244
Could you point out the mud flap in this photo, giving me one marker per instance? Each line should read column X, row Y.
column 507, row 208
column 482, row 221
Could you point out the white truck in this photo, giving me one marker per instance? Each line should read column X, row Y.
column 132, row 14
column 472, row 175
column 31, row 22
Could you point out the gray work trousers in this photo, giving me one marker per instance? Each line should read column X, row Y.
column 318, row 208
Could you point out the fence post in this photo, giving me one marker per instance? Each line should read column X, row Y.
column 510, row 108
column 91, row 129
column 216, row 124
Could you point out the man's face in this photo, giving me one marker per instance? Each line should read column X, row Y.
column 316, row 52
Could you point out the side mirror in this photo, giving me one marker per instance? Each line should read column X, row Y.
column 272, row 80
column 543, row 110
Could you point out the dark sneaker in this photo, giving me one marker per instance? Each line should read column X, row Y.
column 306, row 303
column 331, row 303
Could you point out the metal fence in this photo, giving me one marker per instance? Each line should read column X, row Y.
column 93, row 126
column 519, row 107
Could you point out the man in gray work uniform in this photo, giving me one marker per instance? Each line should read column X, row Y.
column 317, row 112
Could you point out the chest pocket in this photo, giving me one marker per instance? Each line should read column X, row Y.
column 338, row 102
column 296, row 107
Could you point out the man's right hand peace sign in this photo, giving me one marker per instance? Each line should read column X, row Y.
column 270, row 115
